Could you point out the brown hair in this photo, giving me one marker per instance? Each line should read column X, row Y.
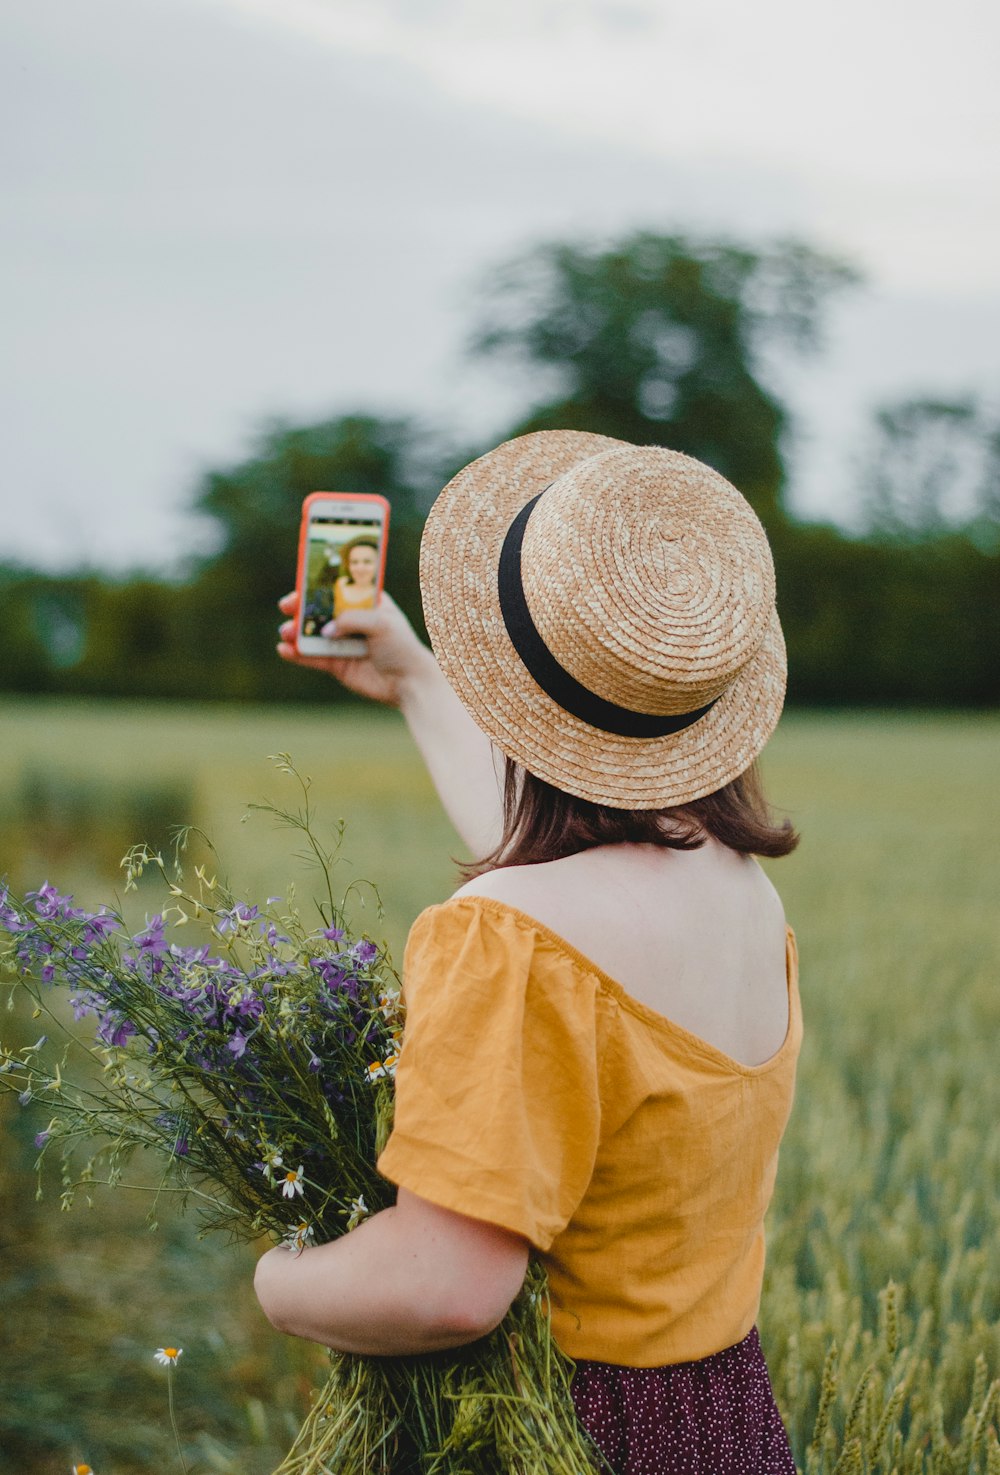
column 541, row 822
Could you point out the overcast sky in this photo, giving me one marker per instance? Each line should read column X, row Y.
column 217, row 212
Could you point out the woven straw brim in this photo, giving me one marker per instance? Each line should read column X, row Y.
column 459, row 556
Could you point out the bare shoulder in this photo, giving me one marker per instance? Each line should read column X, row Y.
column 517, row 886
column 572, row 895
column 639, row 889
column 770, row 899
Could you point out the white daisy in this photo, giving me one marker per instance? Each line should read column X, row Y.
column 167, row 1356
column 381, row 1068
column 292, row 1183
column 271, row 1159
column 298, row 1237
column 359, row 1211
column 390, row 1006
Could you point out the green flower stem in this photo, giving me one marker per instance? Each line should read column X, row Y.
column 173, row 1420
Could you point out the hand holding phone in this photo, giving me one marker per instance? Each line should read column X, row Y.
column 396, row 660
column 342, row 544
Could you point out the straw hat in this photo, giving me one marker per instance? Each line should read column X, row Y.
column 606, row 614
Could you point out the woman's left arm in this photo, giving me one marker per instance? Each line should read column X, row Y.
column 413, row 1278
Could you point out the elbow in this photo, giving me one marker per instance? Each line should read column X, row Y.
column 269, row 1298
column 470, row 1310
column 461, row 1324
column 463, row 1272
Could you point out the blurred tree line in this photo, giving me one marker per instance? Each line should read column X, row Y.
column 658, row 340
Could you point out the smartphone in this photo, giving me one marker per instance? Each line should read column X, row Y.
column 341, row 566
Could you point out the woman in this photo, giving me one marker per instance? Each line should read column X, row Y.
column 355, row 588
column 603, row 1021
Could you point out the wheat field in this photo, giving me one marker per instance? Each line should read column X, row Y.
column 881, row 1311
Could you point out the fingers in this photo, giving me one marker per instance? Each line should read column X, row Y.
column 385, row 617
column 288, row 649
column 289, row 652
column 353, row 622
column 391, row 634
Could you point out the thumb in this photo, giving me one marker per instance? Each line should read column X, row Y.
column 353, row 622
column 364, row 621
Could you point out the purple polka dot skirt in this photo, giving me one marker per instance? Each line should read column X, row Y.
column 716, row 1416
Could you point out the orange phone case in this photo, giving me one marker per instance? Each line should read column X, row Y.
column 300, row 580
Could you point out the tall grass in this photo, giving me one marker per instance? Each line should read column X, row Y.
column 891, row 1169
column 881, row 1312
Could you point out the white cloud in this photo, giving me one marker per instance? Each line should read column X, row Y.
column 887, row 112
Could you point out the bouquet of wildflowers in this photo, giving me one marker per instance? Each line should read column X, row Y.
column 258, row 1067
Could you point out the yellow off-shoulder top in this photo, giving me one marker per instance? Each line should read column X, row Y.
column 535, row 1093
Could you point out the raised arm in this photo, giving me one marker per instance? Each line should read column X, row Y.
column 400, row 671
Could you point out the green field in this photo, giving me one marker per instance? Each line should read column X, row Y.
column 890, row 1171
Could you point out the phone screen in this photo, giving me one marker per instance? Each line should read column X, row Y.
column 343, row 558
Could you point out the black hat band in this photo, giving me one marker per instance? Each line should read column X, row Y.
column 542, row 665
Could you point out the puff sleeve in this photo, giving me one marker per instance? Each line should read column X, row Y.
column 497, row 1099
